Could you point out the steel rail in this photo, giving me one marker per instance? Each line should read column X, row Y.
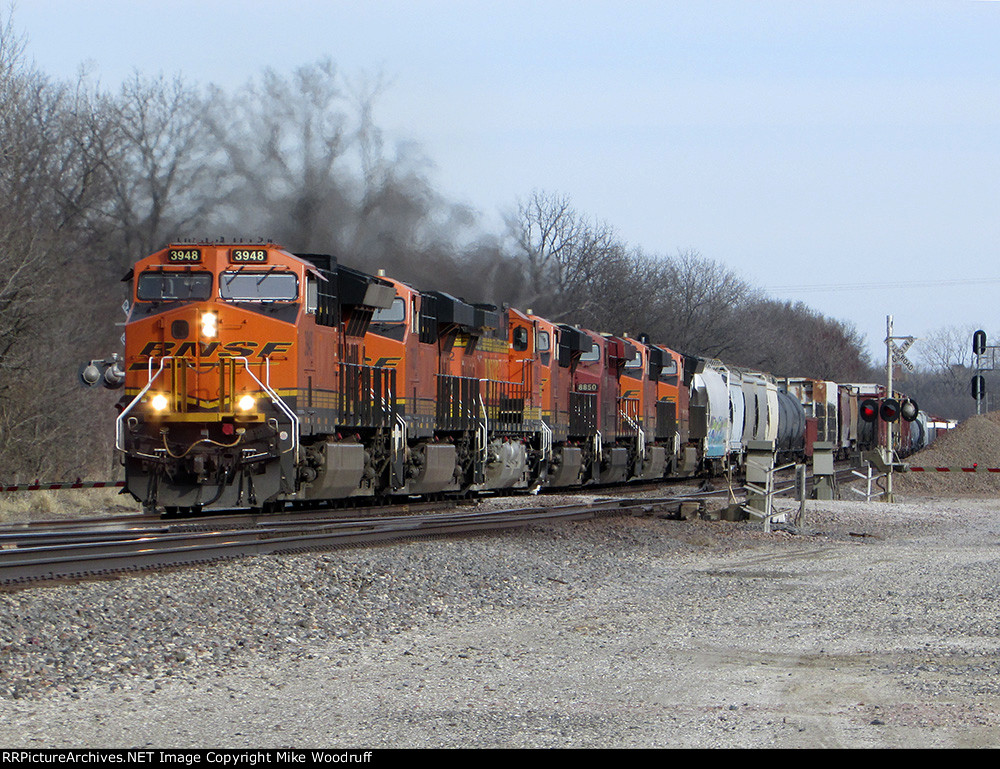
column 127, row 553
column 136, row 522
column 95, row 547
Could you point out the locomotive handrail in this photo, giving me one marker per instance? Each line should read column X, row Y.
column 276, row 400
column 120, row 421
column 484, row 427
column 398, row 425
column 399, row 435
column 640, row 434
column 546, row 440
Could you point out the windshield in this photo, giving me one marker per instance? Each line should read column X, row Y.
column 174, row 286
column 636, row 362
column 396, row 313
column 249, row 286
column 669, row 371
column 593, row 355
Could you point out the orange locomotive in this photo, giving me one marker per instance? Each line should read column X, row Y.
column 257, row 378
column 464, row 423
column 243, row 374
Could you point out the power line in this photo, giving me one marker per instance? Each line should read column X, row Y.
column 816, row 288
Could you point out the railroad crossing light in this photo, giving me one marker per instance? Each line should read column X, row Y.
column 889, row 410
column 979, row 343
column 909, row 409
column 869, row 410
column 978, row 387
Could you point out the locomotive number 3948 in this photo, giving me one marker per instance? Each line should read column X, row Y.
column 248, row 255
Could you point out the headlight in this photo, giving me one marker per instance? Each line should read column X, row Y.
column 160, row 402
column 247, row 402
column 209, row 323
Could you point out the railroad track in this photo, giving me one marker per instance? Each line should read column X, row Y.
column 94, row 548
column 86, row 548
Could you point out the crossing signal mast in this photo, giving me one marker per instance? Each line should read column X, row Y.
column 891, row 409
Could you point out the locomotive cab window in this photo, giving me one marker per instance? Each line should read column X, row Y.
column 255, row 286
column 593, row 356
column 161, row 286
column 395, row 313
column 668, row 373
column 312, row 295
column 542, row 341
column 635, row 363
column 520, row 339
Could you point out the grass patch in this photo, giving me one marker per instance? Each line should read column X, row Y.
column 64, row 503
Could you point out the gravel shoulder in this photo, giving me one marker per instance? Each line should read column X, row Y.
column 871, row 626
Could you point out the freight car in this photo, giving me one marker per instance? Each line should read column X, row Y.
column 258, row 378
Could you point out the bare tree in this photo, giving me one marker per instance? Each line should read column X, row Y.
column 791, row 339
column 569, row 262
column 284, row 142
column 945, row 348
column 47, row 296
column 698, row 303
column 157, row 153
column 942, row 383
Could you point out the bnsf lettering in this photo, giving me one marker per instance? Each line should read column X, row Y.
column 208, row 349
column 274, row 347
column 383, row 362
column 238, row 350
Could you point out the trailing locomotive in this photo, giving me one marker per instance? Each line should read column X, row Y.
column 258, row 378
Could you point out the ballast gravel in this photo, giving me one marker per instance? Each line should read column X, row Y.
column 870, row 625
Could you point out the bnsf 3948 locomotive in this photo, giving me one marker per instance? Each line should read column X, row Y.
column 258, row 378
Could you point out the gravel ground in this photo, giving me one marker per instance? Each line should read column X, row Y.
column 871, row 626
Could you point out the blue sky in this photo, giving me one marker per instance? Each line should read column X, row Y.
column 802, row 143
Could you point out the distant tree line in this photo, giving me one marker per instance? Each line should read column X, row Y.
column 92, row 179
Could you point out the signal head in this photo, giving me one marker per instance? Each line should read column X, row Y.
column 889, row 410
column 979, row 342
column 869, row 410
column 978, row 387
column 909, row 409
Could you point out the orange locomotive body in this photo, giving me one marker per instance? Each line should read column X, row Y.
column 243, row 373
column 257, row 378
column 466, row 408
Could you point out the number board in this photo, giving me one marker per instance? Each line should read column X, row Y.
column 184, row 255
column 248, row 255
column 586, row 387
